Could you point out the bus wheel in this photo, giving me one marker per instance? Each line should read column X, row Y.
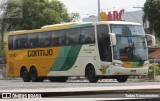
column 91, row 75
column 34, row 75
column 25, row 75
column 122, row 78
column 52, row 79
column 61, row 79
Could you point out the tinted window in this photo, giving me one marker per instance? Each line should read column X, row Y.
column 15, row 42
column 45, row 39
column 127, row 29
column 72, row 36
column 23, row 41
column 33, row 40
column 104, row 43
column 87, row 35
column 10, row 42
column 58, row 38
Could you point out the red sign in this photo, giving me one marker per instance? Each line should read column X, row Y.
column 112, row 16
column 123, row 57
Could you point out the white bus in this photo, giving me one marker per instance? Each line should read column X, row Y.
column 102, row 50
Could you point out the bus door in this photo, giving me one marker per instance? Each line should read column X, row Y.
column 104, row 45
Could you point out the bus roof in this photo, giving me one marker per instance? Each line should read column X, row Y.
column 71, row 25
column 63, row 24
column 82, row 24
column 118, row 22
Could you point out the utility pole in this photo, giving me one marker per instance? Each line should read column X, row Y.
column 99, row 10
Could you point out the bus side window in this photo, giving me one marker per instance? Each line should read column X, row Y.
column 33, row 40
column 58, row 37
column 88, row 35
column 45, row 39
column 10, row 42
column 55, row 41
column 22, row 41
column 72, row 36
column 15, row 42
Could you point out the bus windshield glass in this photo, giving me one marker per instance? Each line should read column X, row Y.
column 131, row 43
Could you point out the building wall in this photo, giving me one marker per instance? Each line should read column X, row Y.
column 135, row 16
column 91, row 18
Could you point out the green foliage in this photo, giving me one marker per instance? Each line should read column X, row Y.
column 2, row 48
column 75, row 16
column 152, row 13
column 33, row 14
column 151, row 70
column 2, row 52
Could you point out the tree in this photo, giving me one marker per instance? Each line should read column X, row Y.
column 152, row 13
column 75, row 16
column 33, row 14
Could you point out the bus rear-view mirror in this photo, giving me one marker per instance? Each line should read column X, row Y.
column 151, row 40
column 113, row 39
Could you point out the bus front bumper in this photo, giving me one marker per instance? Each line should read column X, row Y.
column 129, row 71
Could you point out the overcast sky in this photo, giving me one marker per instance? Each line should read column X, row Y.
column 89, row 7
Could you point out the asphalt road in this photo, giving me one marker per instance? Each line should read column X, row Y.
column 19, row 84
column 107, row 89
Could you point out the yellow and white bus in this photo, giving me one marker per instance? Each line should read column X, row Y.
column 111, row 49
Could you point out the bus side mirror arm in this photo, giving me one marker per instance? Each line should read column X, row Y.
column 113, row 39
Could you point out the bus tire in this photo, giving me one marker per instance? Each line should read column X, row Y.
column 52, row 79
column 91, row 75
column 61, row 79
column 122, row 79
column 25, row 75
column 34, row 75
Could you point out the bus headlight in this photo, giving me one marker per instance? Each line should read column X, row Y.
column 118, row 64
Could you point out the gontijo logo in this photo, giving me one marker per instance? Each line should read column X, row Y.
column 33, row 53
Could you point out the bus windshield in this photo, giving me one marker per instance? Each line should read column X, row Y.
column 131, row 43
